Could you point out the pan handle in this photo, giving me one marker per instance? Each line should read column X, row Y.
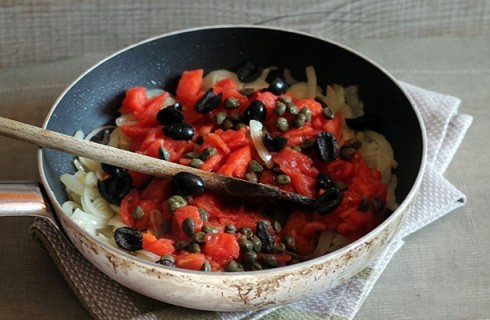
column 24, row 199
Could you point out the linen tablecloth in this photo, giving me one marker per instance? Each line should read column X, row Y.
column 106, row 299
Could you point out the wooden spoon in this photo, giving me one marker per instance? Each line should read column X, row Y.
column 256, row 192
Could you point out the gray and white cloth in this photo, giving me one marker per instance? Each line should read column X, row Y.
column 106, row 299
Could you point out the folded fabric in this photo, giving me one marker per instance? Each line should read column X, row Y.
column 106, row 299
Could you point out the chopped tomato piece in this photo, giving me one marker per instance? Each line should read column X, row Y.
column 221, row 247
column 191, row 261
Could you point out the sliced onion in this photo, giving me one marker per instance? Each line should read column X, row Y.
column 311, row 80
column 257, row 136
column 324, row 242
column 72, row 183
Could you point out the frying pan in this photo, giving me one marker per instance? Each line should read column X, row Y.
column 92, row 100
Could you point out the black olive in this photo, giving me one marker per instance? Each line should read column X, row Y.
column 112, row 170
column 327, row 146
column 329, row 200
column 116, row 187
column 275, row 144
column 208, row 102
column 170, row 115
column 323, row 181
column 177, row 106
column 186, row 184
column 361, row 123
column 255, row 111
column 102, row 136
column 262, row 232
column 128, row 238
column 278, row 86
column 248, row 72
column 179, row 131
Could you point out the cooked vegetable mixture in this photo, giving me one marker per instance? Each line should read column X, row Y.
column 249, row 125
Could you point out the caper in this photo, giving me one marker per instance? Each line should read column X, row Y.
column 137, row 213
column 128, row 238
column 296, row 148
column 232, row 266
column 194, row 247
column 175, row 202
column 247, row 91
column 280, row 108
column 232, row 103
column 208, row 153
column 282, row 124
column 235, row 117
column 308, row 144
column 269, row 261
column 249, row 257
column 209, row 229
column 292, row 108
column 208, row 102
column 363, row 205
column 245, row 244
column 290, row 243
column 279, row 247
column 256, row 266
column 167, row 260
column 247, row 232
column 199, row 237
column 347, row 153
column 254, row 166
column 299, row 121
column 238, row 126
column 189, row 226
column 378, row 205
column 220, row 117
column 203, row 214
column 282, row 179
column 276, row 226
column 257, row 243
column 285, row 99
column 252, row 177
column 195, row 163
column 179, row 131
column 163, row 153
column 182, row 245
column 187, row 184
column 206, row 266
column 192, row 155
column 307, row 112
column 353, row 142
column 227, row 124
column 230, row 228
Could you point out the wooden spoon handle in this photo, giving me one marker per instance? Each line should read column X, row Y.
column 152, row 166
